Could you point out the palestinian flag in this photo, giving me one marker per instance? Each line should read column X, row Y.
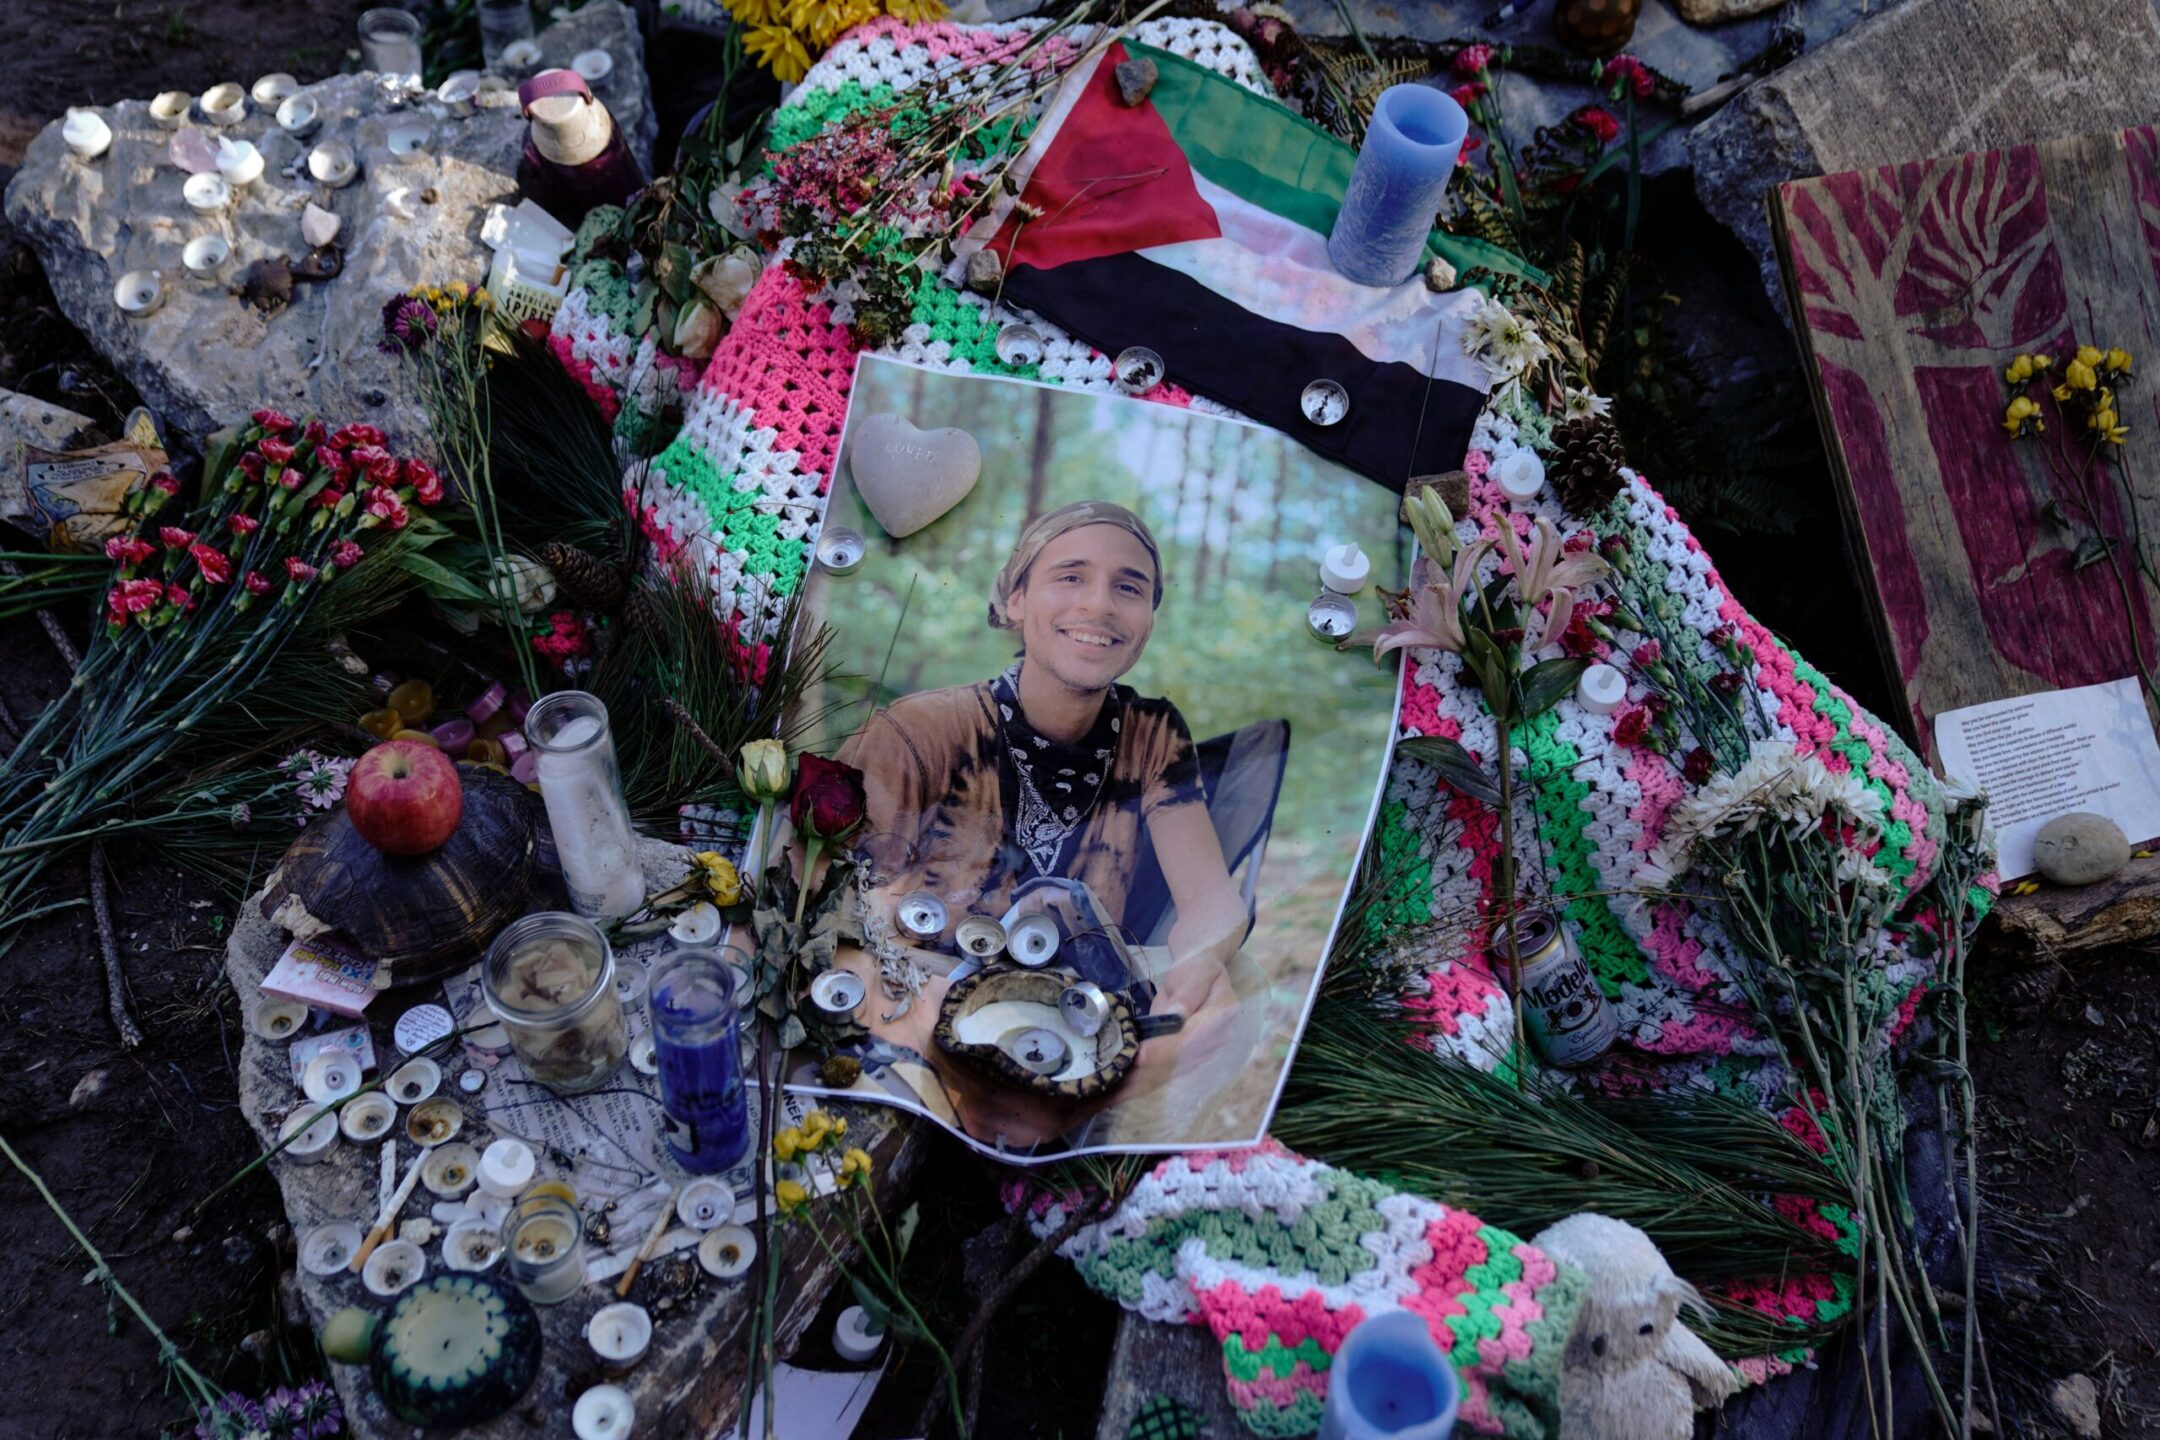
column 1196, row 224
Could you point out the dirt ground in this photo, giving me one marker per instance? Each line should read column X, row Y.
column 2068, row 1064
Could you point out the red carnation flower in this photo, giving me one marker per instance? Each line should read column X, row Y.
column 316, row 433
column 242, row 524
column 384, row 505
column 123, row 551
column 1599, row 122
column 257, row 583
column 1699, row 766
column 1632, row 727
column 427, row 485
column 1649, row 653
column 1472, row 59
column 216, row 566
column 273, row 420
column 1467, row 93
column 276, row 451
column 345, row 554
column 298, row 570
column 164, row 484
column 180, row 597
column 327, row 498
column 175, row 538
column 251, row 465
column 347, row 436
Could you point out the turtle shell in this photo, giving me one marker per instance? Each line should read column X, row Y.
column 419, row 917
column 1032, row 998
column 455, row 1350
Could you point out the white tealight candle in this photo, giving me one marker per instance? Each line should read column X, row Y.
column 137, row 293
column 239, row 162
column 1601, row 690
column 619, row 1334
column 86, row 134
column 1521, row 476
column 1345, row 569
column 604, row 1412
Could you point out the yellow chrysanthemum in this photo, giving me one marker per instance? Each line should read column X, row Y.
column 755, row 12
column 915, row 12
column 719, row 876
column 780, row 51
column 818, row 21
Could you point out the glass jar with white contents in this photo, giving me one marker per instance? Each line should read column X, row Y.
column 582, row 789
column 550, row 977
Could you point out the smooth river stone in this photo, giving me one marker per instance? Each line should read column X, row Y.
column 909, row 477
column 2080, row 848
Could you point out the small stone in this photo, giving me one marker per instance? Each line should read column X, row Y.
column 984, row 272
column 319, row 226
column 256, row 1345
column 1454, row 488
column 238, row 1249
column 184, row 1234
column 1440, row 276
column 2077, row 1400
column 89, row 1088
column 1135, row 80
column 908, row 477
column 2080, row 848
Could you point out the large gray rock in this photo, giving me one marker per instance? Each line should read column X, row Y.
column 1927, row 78
column 205, row 358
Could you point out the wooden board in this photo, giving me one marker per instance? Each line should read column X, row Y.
column 1183, row 1362
column 1912, row 285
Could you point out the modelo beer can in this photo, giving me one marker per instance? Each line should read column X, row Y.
column 1563, row 1009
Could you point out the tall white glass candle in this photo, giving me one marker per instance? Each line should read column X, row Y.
column 582, row 789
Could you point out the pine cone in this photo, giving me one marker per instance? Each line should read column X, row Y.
column 1586, row 464
column 585, row 580
column 643, row 613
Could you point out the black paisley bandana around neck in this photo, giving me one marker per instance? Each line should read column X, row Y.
column 1051, row 786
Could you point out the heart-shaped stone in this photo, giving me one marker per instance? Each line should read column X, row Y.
column 909, row 477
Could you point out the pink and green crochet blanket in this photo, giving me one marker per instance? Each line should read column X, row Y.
column 1279, row 1255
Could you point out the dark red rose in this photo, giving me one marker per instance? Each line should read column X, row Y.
column 828, row 800
column 1699, row 766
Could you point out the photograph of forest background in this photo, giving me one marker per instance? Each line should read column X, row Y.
column 1242, row 516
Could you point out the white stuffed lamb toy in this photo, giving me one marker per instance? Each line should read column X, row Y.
column 1631, row 1371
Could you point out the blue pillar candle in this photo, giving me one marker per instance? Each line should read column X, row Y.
column 1389, row 1381
column 1394, row 193
column 699, row 1049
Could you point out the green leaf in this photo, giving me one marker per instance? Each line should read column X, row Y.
column 1456, row 765
column 792, row 1032
column 1548, row 682
column 1492, row 669
column 880, row 1314
column 904, row 1232
column 440, row 580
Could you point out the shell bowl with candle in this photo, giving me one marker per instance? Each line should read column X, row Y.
column 206, row 194
column 224, row 104
column 332, row 163
column 169, row 110
column 457, row 1350
column 138, row 293
column 298, row 115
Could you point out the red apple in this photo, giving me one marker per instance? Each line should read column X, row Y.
column 404, row 797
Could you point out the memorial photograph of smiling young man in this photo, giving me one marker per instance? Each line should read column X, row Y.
column 1115, row 790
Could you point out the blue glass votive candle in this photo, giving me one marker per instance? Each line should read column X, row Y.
column 1389, row 1381
column 699, row 1048
column 1394, row 193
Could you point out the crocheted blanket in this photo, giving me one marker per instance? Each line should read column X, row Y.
column 1281, row 1255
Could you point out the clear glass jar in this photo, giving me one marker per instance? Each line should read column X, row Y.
column 582, row 789
column 390, row 43
column 699, row 1048
column 550, row 978
column 544, row 1248
column 502, row 24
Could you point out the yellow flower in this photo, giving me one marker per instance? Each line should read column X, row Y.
column 787, row 1143
column 2022, row 416
column 2078, row 374
column 2062, row 394
column 718, row 873
column 854, row 1165
column 761, row 768
column 821, row 20
column 2107, row 425
column 817, row 1128
column 755, row 12
column 779, row 50
column 2042, row 362
column 790, row 1196
column 915, row 12
column 2019, row 370
column 2090, row 356
column 2118, row 361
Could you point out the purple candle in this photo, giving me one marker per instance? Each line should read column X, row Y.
column 699, row 1049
